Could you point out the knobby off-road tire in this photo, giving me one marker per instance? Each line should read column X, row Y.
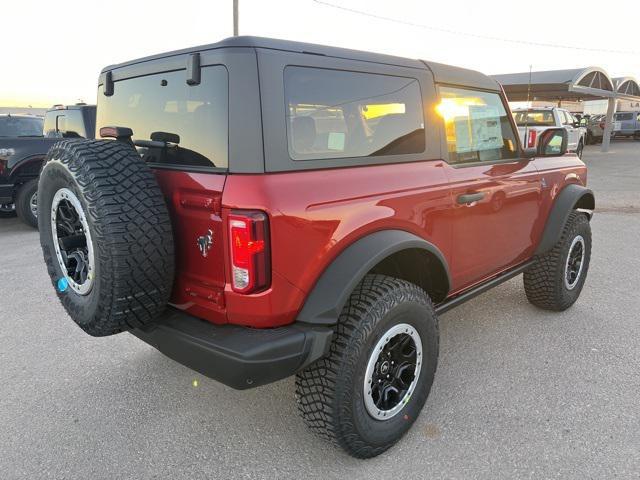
column 25, row 203
column 129, row 230
column 546, row 283
column 331, row 392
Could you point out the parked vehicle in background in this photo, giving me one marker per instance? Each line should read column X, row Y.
column 581, row 118
column 532, row 122
column 23, row 146
column 71, row 121
column 311, row 220
column 626, row 124
column 595, row 129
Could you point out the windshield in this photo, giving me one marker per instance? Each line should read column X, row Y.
column 535, row 118
column 20, row 126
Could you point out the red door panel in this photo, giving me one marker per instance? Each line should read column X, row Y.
column 496, row 207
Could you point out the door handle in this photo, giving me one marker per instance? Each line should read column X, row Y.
column 470, row 198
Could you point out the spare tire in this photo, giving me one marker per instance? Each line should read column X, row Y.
column 105, row 234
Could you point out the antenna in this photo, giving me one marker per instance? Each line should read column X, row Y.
column 235, row 18
column 526, row 118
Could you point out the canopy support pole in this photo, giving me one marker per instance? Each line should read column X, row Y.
column 608, row 125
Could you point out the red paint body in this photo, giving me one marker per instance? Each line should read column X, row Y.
column 315, row 215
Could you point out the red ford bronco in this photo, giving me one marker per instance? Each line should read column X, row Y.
column 264, row 208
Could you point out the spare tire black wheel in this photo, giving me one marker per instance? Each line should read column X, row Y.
column 105, row 234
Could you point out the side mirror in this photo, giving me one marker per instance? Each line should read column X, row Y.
column 531, row 152
column 553, row 143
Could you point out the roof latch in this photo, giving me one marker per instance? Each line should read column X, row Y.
column 193, row 69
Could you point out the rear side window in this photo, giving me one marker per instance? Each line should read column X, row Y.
column 477, row 126
column 65, row 124
column 163, row 102
column 340, row 114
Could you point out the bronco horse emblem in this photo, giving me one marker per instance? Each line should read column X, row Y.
column 205, row 242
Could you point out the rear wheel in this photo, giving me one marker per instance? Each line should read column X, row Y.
column 369, row 390
column 580, row 149
column 27, row 203
column 105, row 234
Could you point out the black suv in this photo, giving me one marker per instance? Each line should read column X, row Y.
column 24, row 142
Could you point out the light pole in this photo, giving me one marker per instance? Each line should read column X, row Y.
column 235, row 18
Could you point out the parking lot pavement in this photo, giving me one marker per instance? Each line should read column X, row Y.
column 519, row 393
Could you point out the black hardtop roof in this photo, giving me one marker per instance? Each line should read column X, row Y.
column 442, row 73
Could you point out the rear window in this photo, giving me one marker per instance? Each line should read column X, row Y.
column 340, row 114
column 624, row 116
column 535, row 118
column 20, row 126
column 163, row 102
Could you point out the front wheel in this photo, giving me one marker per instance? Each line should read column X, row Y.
column 555, row 281
column 369, row 390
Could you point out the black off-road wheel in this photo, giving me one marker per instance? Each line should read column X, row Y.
column 555, row 281
column 105, row 234
column 369, row 390
column 27, row 203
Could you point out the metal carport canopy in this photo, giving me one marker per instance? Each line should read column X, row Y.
column 590, row 83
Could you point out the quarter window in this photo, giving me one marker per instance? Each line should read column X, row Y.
column 477, row 126
column 340, row 114
column 163, row 102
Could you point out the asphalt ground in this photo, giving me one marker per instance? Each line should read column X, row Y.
column 519, row 392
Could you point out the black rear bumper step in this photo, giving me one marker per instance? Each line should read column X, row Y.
column 237, row 356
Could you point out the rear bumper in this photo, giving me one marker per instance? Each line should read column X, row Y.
column 239, row 357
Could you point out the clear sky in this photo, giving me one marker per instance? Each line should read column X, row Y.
column 52, row 52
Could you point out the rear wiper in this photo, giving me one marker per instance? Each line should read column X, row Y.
column 160, row 140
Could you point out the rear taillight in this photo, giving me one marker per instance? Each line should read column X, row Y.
column 249, row 247
column 533, row 136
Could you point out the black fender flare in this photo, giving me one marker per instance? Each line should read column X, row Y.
column 570, row 198
column 330, row 293
column 17, row 166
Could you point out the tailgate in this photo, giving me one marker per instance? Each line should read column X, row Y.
column 194, row 201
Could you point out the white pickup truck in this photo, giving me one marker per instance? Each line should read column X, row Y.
column 533, row 121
